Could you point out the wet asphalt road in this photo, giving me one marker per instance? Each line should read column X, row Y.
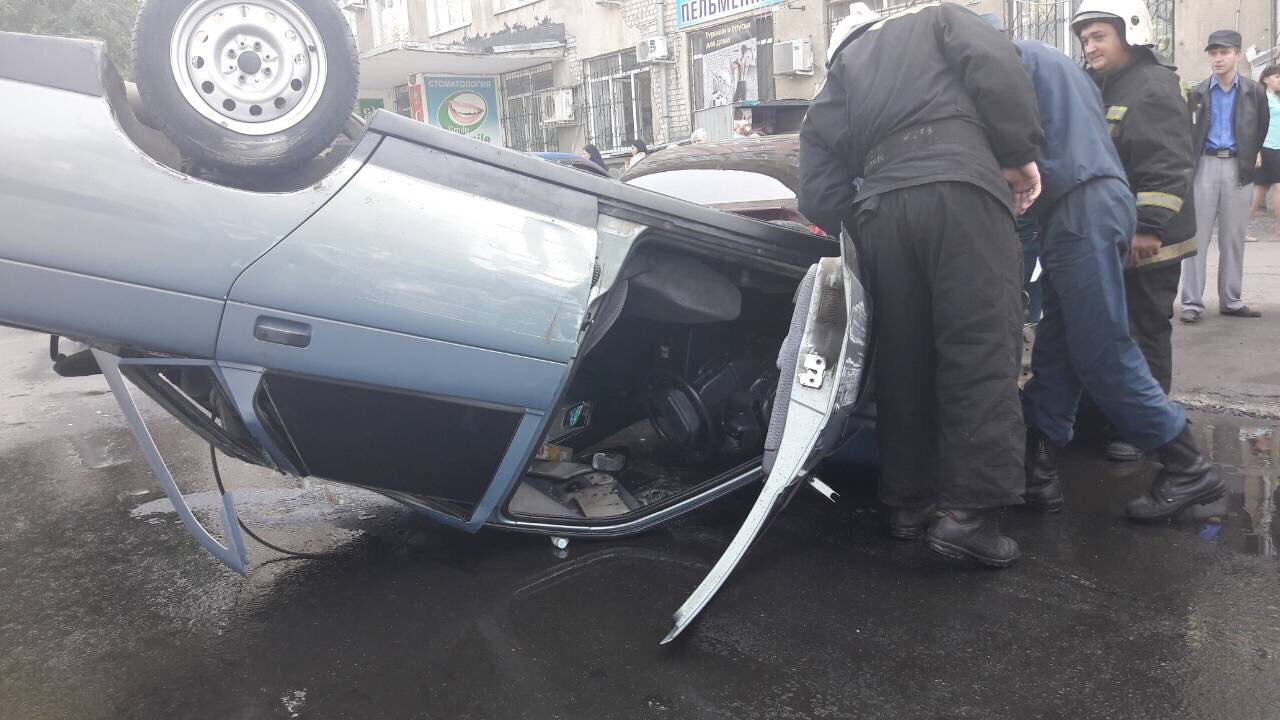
column 109, row 610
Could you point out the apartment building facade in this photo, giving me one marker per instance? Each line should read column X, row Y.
column 554, row 75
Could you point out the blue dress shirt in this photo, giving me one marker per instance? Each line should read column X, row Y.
column 1222, row 111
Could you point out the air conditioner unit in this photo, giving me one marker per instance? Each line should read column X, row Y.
column 793, row 57
column 557, row 106
column 653, row 49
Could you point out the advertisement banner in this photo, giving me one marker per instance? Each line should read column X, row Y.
column 690, row 13
column 465, row 105
column 729, row 72
column 415, row 103
column 366, row 106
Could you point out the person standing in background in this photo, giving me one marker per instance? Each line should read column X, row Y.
column 1268, row 171
column 592, row 153
column 1232, row 120
column 639, row 151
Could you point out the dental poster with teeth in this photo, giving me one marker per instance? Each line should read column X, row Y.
column 465, row 105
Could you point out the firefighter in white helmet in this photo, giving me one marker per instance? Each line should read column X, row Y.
column 1149, row 124
column 1151, row 127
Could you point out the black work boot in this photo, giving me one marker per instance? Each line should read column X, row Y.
column 1121, row 451
column 1186, row 479
column 909, row 523
column 964, row 533
column 1044, row 491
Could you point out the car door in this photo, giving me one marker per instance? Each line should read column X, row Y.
column 414, row 333
column 822, row 368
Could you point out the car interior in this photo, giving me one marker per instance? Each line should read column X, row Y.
column 673, row 389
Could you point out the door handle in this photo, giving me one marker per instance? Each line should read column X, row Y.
column 282, row 332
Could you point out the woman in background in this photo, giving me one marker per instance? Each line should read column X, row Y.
column 1269, row 159
column 592, row 153
column 638, row 152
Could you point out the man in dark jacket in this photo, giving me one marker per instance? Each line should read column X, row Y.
column 931, row 108
column 1087, row 217
column 1231, row 122
column 1151, row 129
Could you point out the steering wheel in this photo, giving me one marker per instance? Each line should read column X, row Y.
column 698, row 444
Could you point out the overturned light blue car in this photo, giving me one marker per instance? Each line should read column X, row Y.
column 490, row 338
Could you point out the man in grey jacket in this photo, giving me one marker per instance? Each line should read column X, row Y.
column 1231, row 120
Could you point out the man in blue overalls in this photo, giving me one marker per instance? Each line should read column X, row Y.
column 1087, row 216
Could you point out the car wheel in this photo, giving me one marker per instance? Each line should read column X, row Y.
column 254, row 85
column 792, row 225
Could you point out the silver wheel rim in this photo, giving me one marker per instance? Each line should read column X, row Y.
column 255, row 68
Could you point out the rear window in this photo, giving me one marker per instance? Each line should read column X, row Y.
column 716, row 187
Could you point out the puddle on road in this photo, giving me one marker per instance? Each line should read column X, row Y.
column 102, row 450
column 1247, row 454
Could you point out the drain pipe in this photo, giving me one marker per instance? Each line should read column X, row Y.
column 663, row 76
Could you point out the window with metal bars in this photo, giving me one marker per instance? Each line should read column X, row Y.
column 446, row 15
column 838, row 10
column 1049, row 21
column 618, row 100
column 522, row 119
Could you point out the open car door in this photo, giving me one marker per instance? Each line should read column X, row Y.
column 413, row 335
column 822, row 365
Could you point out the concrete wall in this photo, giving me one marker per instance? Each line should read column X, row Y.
column 798, row 21
column 361, row 23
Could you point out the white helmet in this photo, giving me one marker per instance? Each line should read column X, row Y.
column 860, row 17
column 1133, row 16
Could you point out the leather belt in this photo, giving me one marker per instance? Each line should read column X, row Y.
column 951, row 131
column 1221, row 153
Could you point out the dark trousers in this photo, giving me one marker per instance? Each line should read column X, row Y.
column 1083, row 340
column 942, row 263
column 1029, row 236
column 1151, row 295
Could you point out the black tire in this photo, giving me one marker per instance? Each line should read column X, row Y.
column 212, row 145
column 792, row 225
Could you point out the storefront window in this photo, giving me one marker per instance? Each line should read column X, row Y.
column 733, row 63
column 619, row 101
column 404, row 105
column 522, row 124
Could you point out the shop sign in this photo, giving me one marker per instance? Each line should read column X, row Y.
column 465, row 105
column 415, row 103
column 690, row 13
column 366, row 106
